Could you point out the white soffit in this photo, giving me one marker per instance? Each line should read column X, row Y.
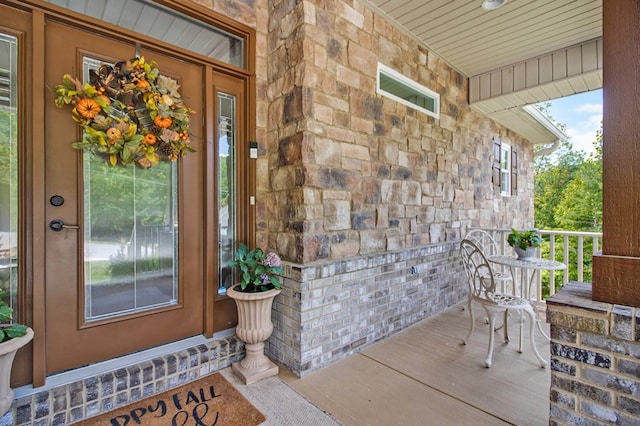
column 524, row 52
column 476, row 41
column 531, row 126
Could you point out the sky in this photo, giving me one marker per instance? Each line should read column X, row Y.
column 582, row 115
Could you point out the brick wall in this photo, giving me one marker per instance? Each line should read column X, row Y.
column 329, row 310
column 595, row 360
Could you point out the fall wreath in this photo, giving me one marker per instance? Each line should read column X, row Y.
column 130, row 113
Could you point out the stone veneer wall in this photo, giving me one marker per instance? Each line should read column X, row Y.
column 352, row 189
column 329, row 310
column 595, row 360
column 344, row 172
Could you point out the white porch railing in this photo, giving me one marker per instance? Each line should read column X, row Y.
column 567, row 247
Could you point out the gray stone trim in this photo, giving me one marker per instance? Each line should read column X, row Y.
column 94, row 395
column 594, row 359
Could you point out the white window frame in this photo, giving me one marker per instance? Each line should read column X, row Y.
column 406, row 81
column 505, row 169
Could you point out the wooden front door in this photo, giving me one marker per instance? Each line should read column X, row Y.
column 125, row 273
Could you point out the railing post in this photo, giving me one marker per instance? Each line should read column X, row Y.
column 580, row 258
column 567, row 262
column 552, row 256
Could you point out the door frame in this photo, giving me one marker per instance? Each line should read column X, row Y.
column 31, row 367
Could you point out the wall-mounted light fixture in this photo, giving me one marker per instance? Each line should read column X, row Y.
column 493, row 4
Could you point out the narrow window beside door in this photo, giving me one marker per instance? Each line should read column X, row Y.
column 9, row 167
column 226, row 190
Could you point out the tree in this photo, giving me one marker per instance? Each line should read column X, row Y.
column 551, row 177
column 568, row 196
column 568, row 192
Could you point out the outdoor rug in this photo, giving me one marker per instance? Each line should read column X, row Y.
column 211, row 400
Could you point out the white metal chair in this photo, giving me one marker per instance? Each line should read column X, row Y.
column 489, row 247
column 482, row 288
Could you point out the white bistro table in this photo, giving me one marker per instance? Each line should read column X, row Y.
column 529, row 268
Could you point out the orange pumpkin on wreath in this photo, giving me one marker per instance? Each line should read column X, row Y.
column 88, row 108
column 115, row 109
column 163, row 122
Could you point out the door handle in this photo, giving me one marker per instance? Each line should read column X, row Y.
column 58, row 225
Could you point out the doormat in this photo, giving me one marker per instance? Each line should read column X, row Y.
column 212, row 400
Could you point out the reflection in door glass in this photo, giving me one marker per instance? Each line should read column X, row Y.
column 9, row 167
column 226, row 190
column 130, row 236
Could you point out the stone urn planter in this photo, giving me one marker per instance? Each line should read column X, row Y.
column 527, row 254
column 254, row 327
column 8, row 350
column 524, row 243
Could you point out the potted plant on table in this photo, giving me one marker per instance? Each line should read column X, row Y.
column 524, row 243
column 12, row 338
column 259, row 285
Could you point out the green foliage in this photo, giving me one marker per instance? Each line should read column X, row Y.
column 8, row 145
column 8, row 170
column 6, row 314
column 583, row 212
column 568, row 196
column 552, row 174
column 568, row 189
column 223, row 180
column 529, row 238
column 257, row 269
column 121, row 196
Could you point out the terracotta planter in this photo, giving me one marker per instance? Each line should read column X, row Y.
column 254, row 327
column 8, row 351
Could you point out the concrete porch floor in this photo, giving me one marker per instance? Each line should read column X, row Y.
column 423, row 375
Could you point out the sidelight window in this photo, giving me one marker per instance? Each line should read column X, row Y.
column 9, row 167
column 226, row 189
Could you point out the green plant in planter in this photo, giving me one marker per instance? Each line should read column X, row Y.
column 257, row 269
column 6, row 312
column 524, row 240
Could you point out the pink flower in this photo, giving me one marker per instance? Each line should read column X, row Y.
column 272, row 259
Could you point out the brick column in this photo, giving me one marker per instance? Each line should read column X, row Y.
column 595, row 361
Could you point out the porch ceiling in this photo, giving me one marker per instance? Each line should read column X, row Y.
column 491, row 46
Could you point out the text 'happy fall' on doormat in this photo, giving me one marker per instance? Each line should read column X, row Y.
column 211, row 400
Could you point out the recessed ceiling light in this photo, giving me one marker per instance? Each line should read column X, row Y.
column 492, row 4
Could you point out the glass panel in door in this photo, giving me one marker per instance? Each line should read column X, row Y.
column 9, row 167
column 226, row 190
column 130, row 235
